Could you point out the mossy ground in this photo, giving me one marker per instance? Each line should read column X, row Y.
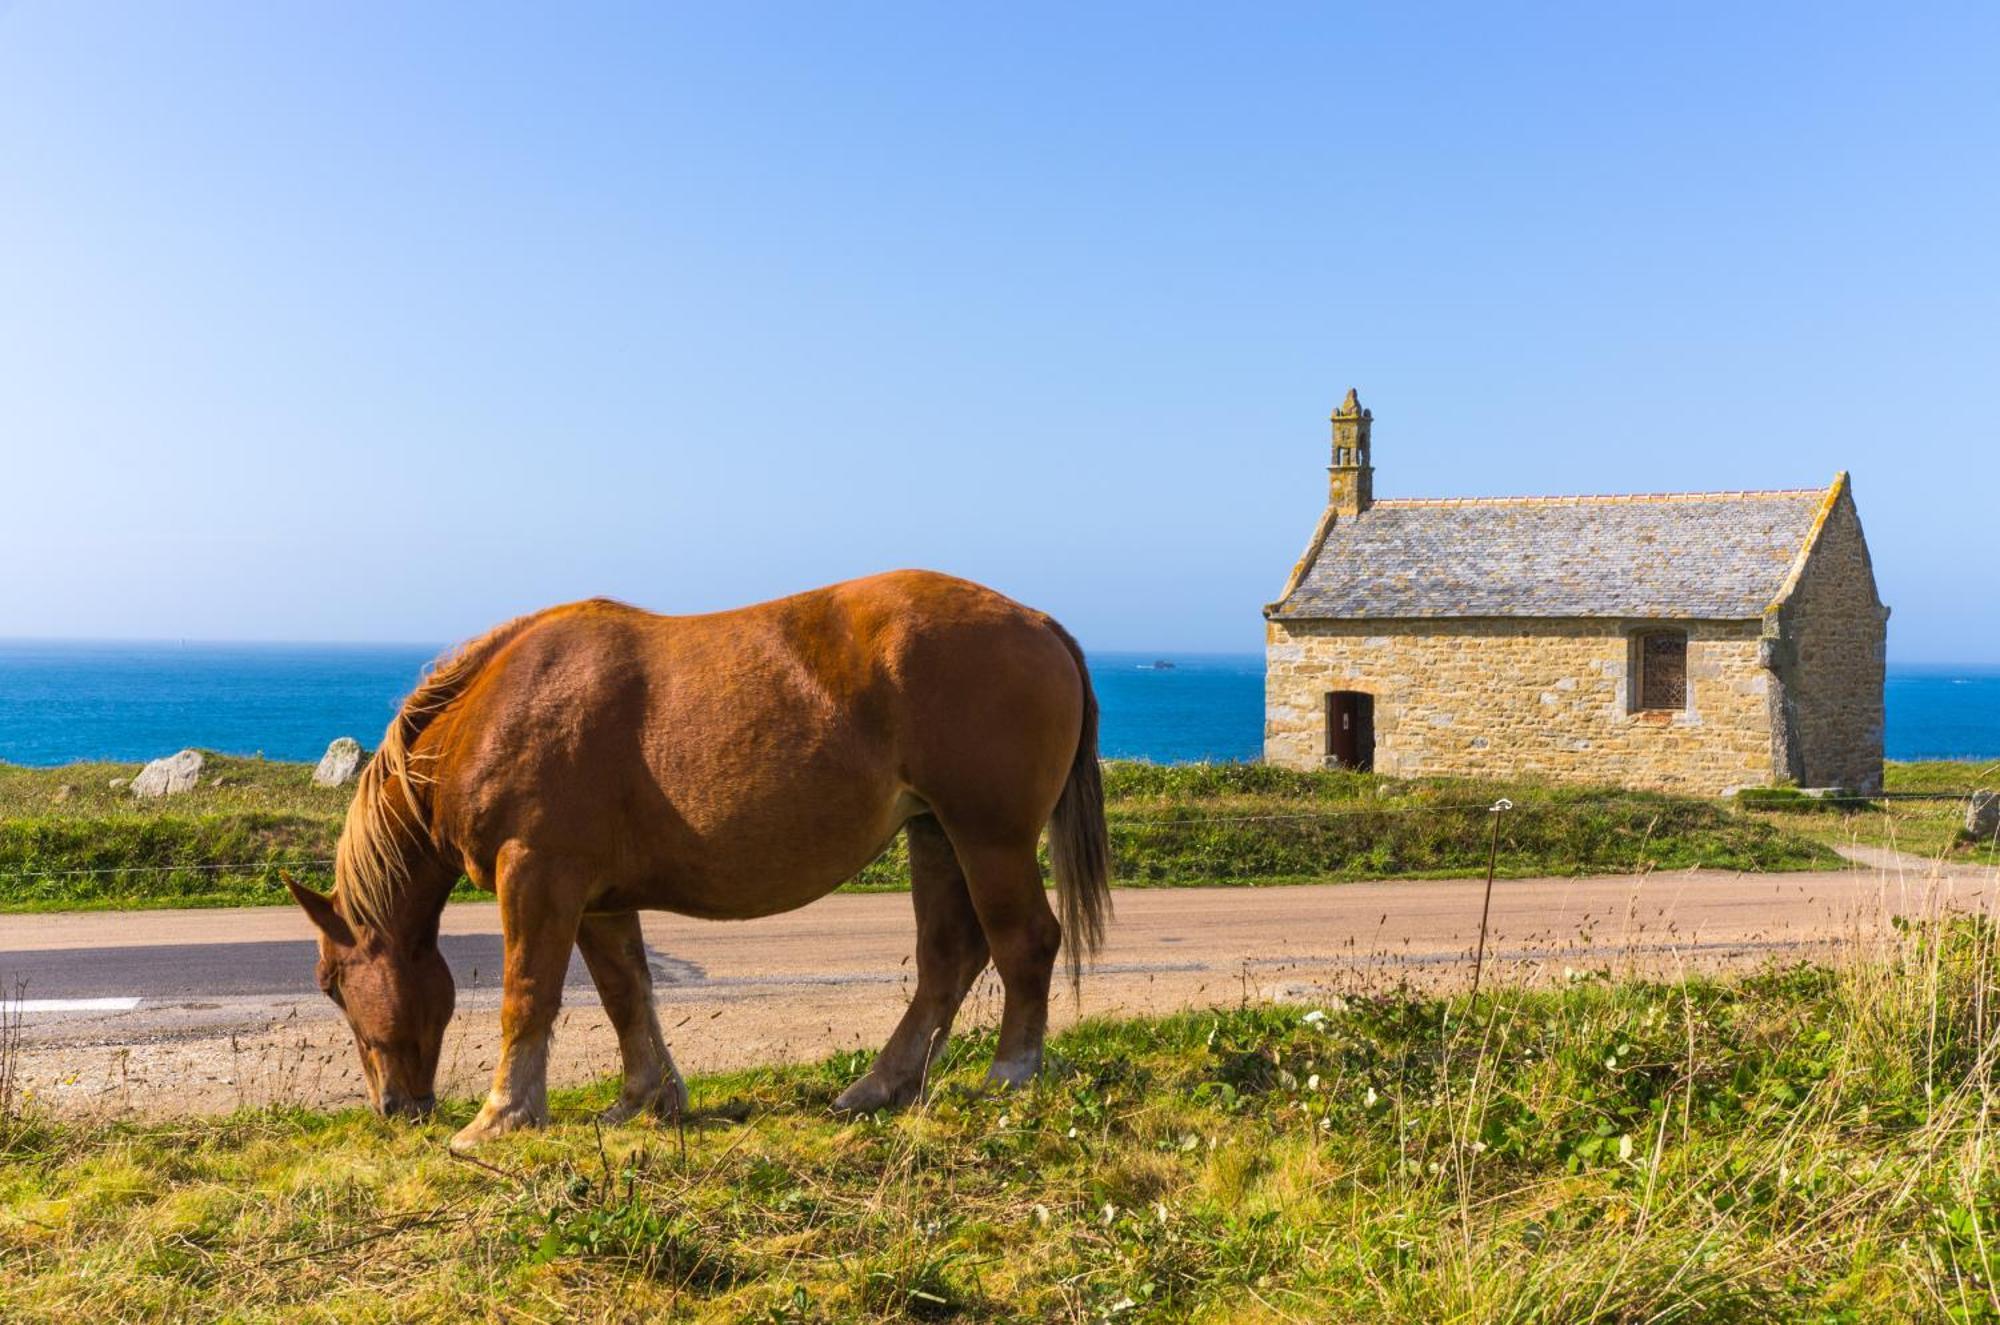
column 1811, row 1144
column 70, row 840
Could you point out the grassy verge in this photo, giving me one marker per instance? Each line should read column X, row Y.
column 94, row 846
column 74, row 837
column 1932, row 829
column 1812, row 1144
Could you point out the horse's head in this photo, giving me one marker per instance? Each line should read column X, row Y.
column 396, row 992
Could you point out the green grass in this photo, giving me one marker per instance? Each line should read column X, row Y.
column 95, row 847
column 1932, row 829
column 71, row 839
column 1809, row 1144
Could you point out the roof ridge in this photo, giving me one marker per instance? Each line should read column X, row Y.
column 1609, row 499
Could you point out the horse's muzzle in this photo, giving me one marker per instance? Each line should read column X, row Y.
column 407, row 1106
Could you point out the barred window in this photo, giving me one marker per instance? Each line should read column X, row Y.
column 1663, row 670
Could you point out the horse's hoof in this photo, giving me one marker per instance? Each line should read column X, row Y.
column 1013, row 1076
column 868, row 1095
column 490, row 1123
column 468, row 1138
column 667, row 1103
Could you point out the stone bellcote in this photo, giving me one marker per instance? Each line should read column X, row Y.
column 1350, row 478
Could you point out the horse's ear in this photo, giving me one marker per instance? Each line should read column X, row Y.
column 320, row 910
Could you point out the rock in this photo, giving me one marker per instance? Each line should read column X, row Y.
column 1982, row 815
column 340, row 764
column 116, row 783
column 65, row 791
column 170, row 776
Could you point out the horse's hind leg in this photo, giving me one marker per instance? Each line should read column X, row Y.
column 539, row 913
column 1005, row 883
column 951, row 952
column 615, row 951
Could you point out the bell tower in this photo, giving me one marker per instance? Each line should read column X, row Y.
column 1350, row 478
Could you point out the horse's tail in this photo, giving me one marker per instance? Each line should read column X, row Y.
column 1078, row 843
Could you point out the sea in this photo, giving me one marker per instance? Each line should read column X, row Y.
column 66, row 701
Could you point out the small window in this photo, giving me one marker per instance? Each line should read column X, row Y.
column 1663, row 670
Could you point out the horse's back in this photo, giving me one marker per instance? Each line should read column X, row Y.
column 746, row 760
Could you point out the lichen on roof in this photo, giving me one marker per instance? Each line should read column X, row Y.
column 1700, row 555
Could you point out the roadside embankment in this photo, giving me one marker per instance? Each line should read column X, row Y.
column 75, row 838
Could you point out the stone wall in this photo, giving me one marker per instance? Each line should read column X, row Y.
column 1510, row 698
column 1832, row 631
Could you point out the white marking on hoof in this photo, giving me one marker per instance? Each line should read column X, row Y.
column 495, row 1121
column 871, row 1093
column 1015, row 1074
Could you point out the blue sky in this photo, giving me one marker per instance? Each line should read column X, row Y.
column 355, row 322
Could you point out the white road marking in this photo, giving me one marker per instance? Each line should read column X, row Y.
column 68, row 1004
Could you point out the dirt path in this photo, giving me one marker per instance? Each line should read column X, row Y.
column 211, row 1010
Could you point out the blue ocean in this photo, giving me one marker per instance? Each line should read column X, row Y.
column 64, row 701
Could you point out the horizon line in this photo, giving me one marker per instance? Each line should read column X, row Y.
column 192, row 641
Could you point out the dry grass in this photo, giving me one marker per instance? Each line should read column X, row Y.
column 1809, row 1144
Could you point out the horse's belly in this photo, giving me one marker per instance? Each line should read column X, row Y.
column 763, row 864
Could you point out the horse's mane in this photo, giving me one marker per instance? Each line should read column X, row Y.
column 370, row 868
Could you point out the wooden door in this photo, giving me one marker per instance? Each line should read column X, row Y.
column 1350, row 729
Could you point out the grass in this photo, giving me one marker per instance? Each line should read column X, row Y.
column 1812, row 1144
column 69, row 839
column 1932, row 829
column 74, row 837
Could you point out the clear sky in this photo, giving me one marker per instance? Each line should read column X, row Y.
column 358, row 322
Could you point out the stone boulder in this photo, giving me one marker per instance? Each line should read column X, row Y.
column 1982, row 815
column 170, row 776
column 340, row 765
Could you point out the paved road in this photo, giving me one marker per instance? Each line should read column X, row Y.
column 213, row 1009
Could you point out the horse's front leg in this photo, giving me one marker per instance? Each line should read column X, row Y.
column 540, row 910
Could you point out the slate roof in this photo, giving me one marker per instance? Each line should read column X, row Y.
column 1708, row 555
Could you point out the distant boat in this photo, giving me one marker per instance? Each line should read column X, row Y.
column 1162, row 665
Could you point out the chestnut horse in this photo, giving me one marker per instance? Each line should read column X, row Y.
column 594, row 760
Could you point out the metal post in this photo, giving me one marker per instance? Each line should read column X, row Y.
column 1496, row 809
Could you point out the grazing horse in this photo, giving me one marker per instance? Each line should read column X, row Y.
column 593, row 760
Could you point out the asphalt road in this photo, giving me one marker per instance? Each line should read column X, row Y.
column 144, row 1011
column 170, row 972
